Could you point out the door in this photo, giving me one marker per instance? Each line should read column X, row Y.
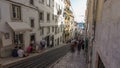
column 48, row 42
column 52, row 38
column 32, row 38
column 18, row 39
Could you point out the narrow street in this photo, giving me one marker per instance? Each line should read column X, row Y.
column 71, row 61
column 43, row 60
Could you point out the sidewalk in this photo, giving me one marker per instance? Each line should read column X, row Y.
column 71, row 61
column 10, row 60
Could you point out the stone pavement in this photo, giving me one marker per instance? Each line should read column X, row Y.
column 10, row 60
column 75, row 60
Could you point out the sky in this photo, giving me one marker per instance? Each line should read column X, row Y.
column 79, row 7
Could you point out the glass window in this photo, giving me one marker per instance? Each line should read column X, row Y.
column 48, row 17
column 32, row 2
column 16, row 12
column 18, row 39
column 42, row 31
column 48, row 30
column 53, row 16
column 53, row 29
column 48, row 2
column 41, row 15
column 7, row 35
column 32, row 23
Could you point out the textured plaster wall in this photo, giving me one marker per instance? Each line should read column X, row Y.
column 107, row 43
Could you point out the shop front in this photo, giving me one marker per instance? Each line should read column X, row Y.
column 19, row 32
column 12, row 34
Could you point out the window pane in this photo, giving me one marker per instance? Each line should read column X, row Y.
column 32, row 23
column 48, row 17
column 16, row 12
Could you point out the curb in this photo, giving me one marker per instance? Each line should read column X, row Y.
column 33, row 55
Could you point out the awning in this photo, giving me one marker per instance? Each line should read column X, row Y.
column 19, row 26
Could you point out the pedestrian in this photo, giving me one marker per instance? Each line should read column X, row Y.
column 37, row 48
column 14, row 52
column 79, row 46
column 21, row 52
column 72, row 46
column 82, row 44
column 30, row 48
column 42, row 44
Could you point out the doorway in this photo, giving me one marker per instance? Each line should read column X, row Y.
column 18, row 39
column 32, row 38
column 52, row 38
column 47, row 39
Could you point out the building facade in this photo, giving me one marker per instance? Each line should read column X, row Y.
column 68, row 20
column 102, row 18
column 59, row 21
column 24, row 21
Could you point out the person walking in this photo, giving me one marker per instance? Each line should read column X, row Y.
column 82, row 44
column 79, row 46
column 73, row 45
column 42, row 44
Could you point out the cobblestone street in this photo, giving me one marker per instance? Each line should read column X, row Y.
column 75, row 60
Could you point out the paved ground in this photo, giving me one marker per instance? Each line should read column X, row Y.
column 41, row 60
column 72, row 61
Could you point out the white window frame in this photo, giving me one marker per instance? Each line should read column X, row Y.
column 42, row 31
column 48, row 3
column 42, row 16
column 48, row 30
column 17, row 12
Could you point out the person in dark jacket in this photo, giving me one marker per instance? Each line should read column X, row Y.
column 79, row 46
column 82, row 44
column 14, row 52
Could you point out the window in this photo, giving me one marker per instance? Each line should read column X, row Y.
column 53, row 3
column 53, row 16
column 32, row 2
column 48, row 2
column 48, row 30
column 56, row 30
column 32, row 37
column 48, row 17
column 42, row 31
column 53, row 29
column 16, row 12
column 32, row 23
column 7, row 35
column 41, row 16
column 41, row 1
column 56, row 19
column 18, row 38
column 61, row 28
